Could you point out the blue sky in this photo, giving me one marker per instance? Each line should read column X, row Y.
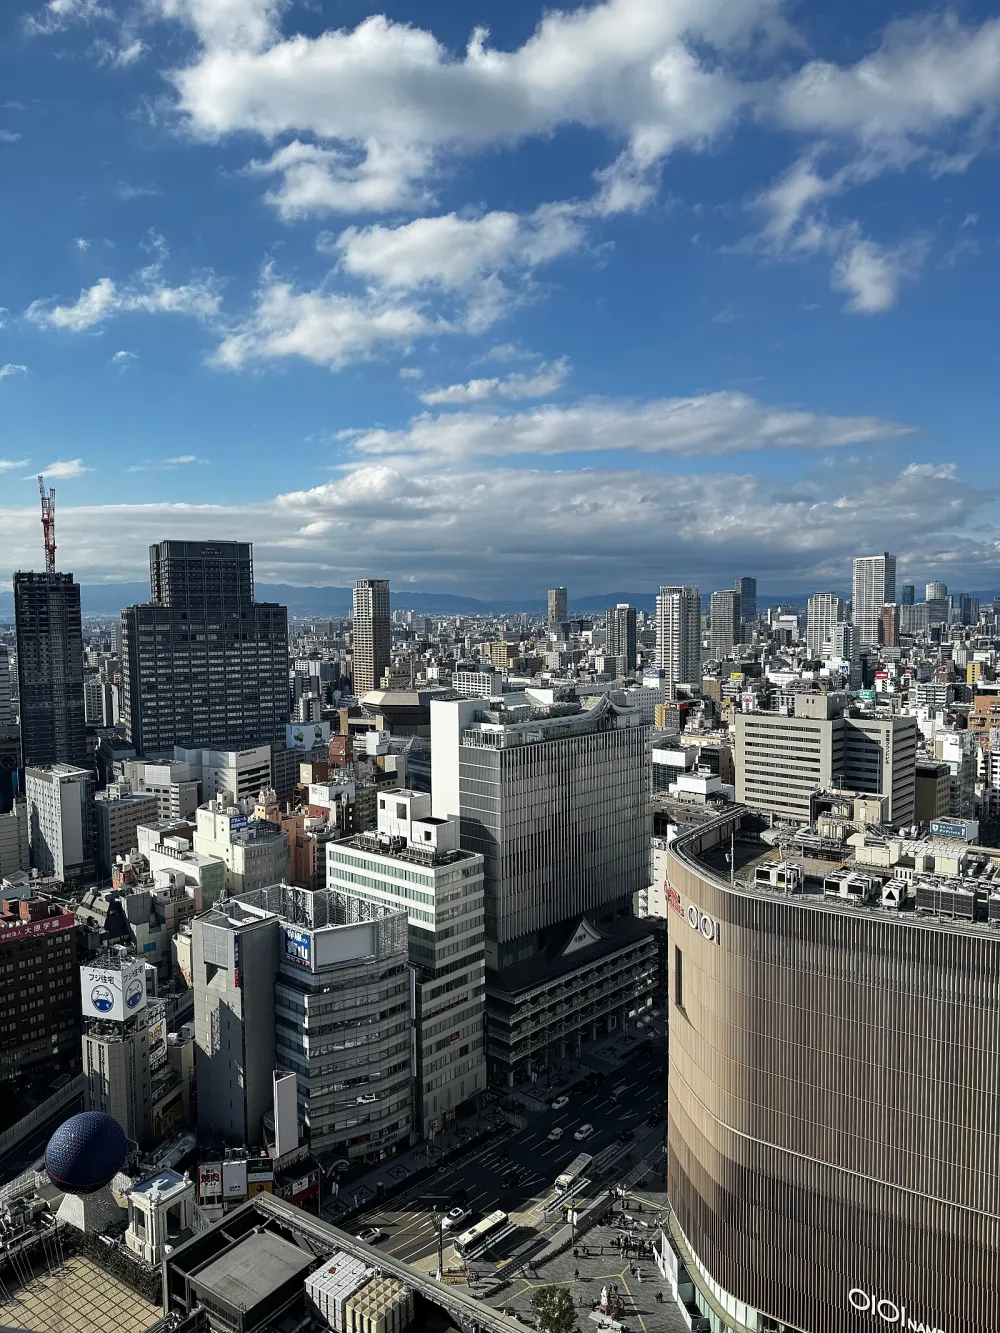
column 482, row 300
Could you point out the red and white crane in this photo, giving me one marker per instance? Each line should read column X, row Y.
column 48, row 524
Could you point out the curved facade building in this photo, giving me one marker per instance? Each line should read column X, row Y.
column 834, row 1107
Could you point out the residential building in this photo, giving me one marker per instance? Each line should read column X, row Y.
column 477, row 684
column 889, row 631
column 558, row 608
column 724, row 624
column 935, row 591
column 61, row 827
column 117, row 817
column 6, row 713
column 371, row 637
column 620, row 638
column 678, row 636
column 553, row 795
column 99, row 702
column 50, row 670
column 255, row 851
column 203, row 664
column 824, row 611
column 39, row 994
column 413, row 863
column 873, row 584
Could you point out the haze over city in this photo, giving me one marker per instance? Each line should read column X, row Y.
column 482, row 300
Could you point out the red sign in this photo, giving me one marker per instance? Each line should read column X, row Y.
column 19, row 930
column 673, row 898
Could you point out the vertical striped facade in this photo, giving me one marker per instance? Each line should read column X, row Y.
column 834, row 1107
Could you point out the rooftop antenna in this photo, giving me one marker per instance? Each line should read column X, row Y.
column 48, row 524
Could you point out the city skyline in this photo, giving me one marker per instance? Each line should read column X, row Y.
column 706, row 298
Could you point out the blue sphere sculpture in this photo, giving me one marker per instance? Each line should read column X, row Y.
column 85, row 1152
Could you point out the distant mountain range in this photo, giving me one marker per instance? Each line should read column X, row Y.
column 109, row 598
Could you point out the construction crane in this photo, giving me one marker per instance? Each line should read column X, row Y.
column 48, row 524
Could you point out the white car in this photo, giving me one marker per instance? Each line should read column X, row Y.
column 555, row 1134
column 584, row 1132
column 454, row 1217
column 559, row 1103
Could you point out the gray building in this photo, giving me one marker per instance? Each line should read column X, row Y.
column 873, row 584
column 116, row 1050
column 553, row 796
column 371, row 636
column 678, row 636
column 6, row 714
column 61, row 827
column 747, row 589
column 50, row 669
column 724, row 623
column 117, row 818
column 203, row 664
column 314, row 982
column 558, row 607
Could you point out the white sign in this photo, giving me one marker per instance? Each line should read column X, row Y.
column 111, row 992
column 234, row 1179
column 307, row 735
column 888, row 1311
column 705, row 925
column 209, row 1179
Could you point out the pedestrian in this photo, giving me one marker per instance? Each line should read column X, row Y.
column 638, row 1276
column 576, row 1275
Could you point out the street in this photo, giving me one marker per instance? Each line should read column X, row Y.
column 409, row 1226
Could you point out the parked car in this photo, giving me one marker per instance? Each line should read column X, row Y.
column 370, row 1235
column 655, row 1118
column 559, row 1103
column 555, row 1134
column 625, row 1135
column 584, row 1132
column 454, row 1217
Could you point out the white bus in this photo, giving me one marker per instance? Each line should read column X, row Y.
column 573, row 1172
column 478, row 1235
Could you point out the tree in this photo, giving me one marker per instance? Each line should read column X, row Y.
column 554, row 1310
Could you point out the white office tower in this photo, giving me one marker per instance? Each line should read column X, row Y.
column 824, row 611
column 724, row 624
column 413, row 863
column 317, row 983
column 371, row 639
column 935, row 590
column 937, row 603
column 61, row 824
column 678, row 637
column 873, row 584
column 554, row 797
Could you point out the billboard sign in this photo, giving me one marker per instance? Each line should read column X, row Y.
column 111, row 992
column 21, row 930
column 210, row 1180
column 234, row 1180
column 967, row 830
column 158, row 1043
column 298, row 946
column 238, row 822
column 307, row 735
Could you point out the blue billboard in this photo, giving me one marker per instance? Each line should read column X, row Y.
column 298, row 946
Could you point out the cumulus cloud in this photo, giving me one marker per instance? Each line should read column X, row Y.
column 710, row 425
column 11, row 369
column 547, row 379
column 146, row 292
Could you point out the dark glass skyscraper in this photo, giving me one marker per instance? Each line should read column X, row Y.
column 621, row 635
column 746, row 588
column 50, row 669
column 203, row 663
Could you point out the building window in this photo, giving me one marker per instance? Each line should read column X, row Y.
column 678, row 977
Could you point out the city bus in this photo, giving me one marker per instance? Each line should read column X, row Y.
column 573, row 1172
column 478, row 1235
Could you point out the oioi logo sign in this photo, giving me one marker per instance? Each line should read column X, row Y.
column 888, row 1311
column 706, row 926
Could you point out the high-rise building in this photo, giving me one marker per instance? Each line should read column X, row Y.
column 678, row 636
column 935, row 591
column 371, row 640
column 747, row 589
column 61, row 823
column 99, row 702
column 203, row 663
column 824, row 611
column 558, row 607
column 873, row 584
column 50, row 669
column 38, row 984
column 554, row 798
column 724, row 623
column 620, row 640
column 889, row 637
column 938, row 603
column 15, row 852
column 445, row 911
column 907, row 594
column 117, row 817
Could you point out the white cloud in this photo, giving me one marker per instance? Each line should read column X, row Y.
column 11, row 369
column 871, row 275
column 82, row 244
column 123, row 360
column 411, row 373
column 547, row 379
column 146, row 292
column 64, row 469
column 9, row 464
column 711, row 425
column 329, row 329
column 385, row 101
column 10, row 136
column 57, row 15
